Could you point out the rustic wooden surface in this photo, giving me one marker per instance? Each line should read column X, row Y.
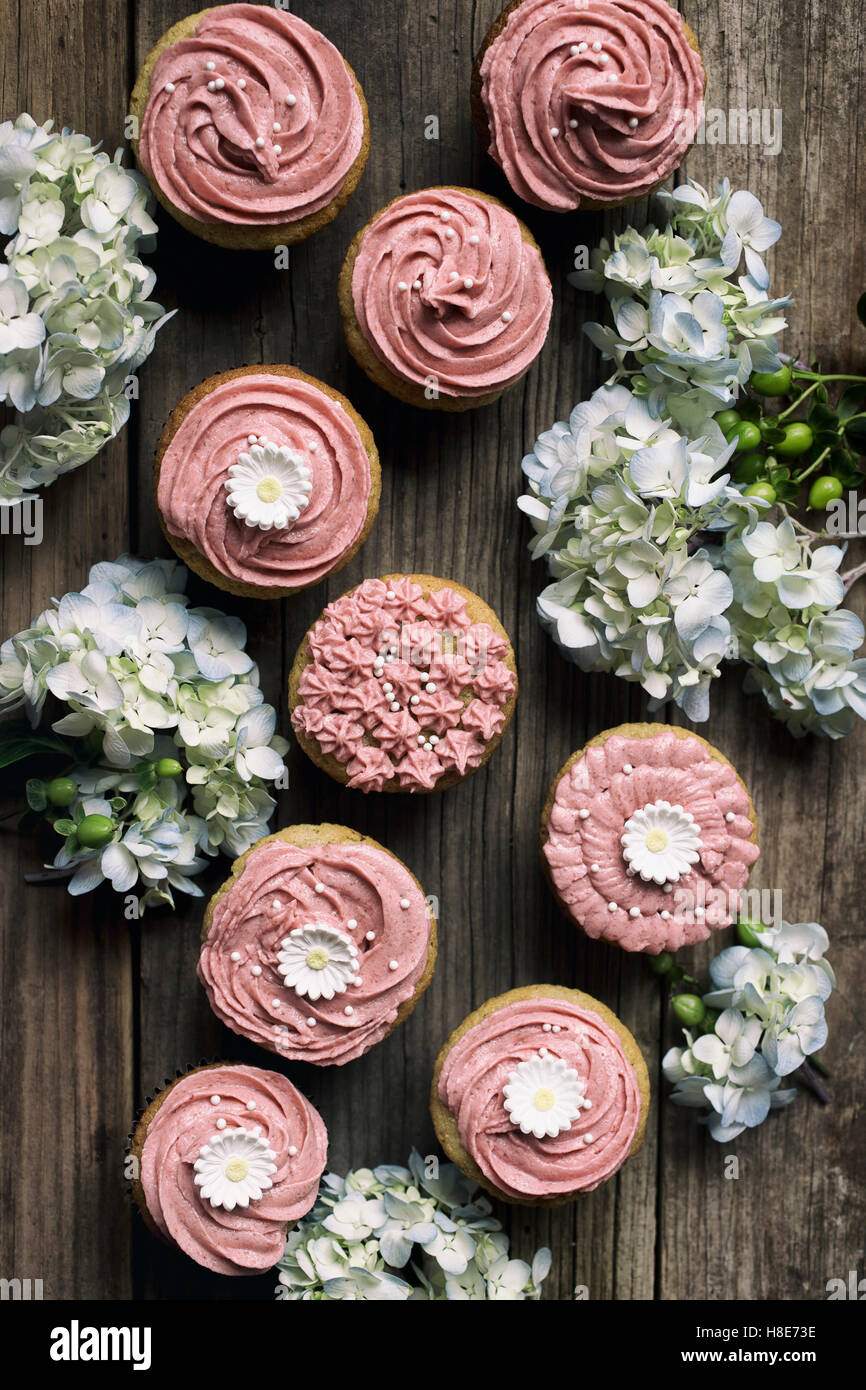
column 97, row 1011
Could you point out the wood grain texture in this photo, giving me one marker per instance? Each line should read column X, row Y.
column 97, row 1012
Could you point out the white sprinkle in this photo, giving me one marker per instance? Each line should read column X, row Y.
column 582, row 47
column 430, row 687
column 573, row 123
column 251, row 1105
column 320, row 887
column 393, row 964
column 387, row 687
column 276, row 126
column 554, row 130
column 395, row 706
column 664, row 914
column 446, row 216
column 390, row 595
column 583, row 813
column 252, row 439
column 632, row 120
column 545, row 1027
column 634, row 912
column 542, row 1052
column 371, row 936
column 215, row 1100
column 260, row 142
column 594, row 868
column 596, row 47
column 221, row 1124
column 313, row 447
column 290, row 99
column 613, row 77
column 587, row 1105
column 604, row 58
column 278, row 149
column 729, row 816
column 275, row 904
column 668, row 888
column 242, row 83
column 506, row 317
column 311, row 1022
column 413, row 699
column 449, row 232
column 422, row 740
column 404, row 903
column 627, row 767
column 589, row 1138
column 211, row 86
column 275, row 1004
column 474, row 239
column 236, row 955
column 401, row 285
column 219, row 84
column 454, row 275
column 416, row 284
column 700, row 912
column 434, row 739
column 611, row 907
column 468, row 283
column 352, row 923
column 169, row 86
column 256, row 970
column 292, row 1150
column 574, row 50
column 348, row 1011
column 210, row 66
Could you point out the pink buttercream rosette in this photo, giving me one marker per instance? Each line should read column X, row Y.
column 583, row 853
column 245, row 1240
column 399, row 689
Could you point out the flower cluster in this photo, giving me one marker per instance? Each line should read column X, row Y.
column 661, row 565
column 144, row 678
column 617, row 498
column 688, row 329
column 771, row 998
column 76, row 319
column 432, row 1226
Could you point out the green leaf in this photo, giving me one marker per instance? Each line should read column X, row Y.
column 772, row 436
column 851, row 401
column 861, row 308
column 821, row 417
column 64, row 827
column 18, row 741
column 35, row 793
column 855, row 433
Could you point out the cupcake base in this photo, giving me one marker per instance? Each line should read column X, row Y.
column 233, row 236
column 445, row 1124
column 189, row 554
column 365, row 355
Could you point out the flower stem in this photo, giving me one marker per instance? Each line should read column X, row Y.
column 852, row 576
column 810, row 1079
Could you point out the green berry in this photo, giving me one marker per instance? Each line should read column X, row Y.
column 765, row 490
column 168, row 767
column 746, row 932
column 661, row 963
column 689, row 1009
column 798, row 439
column 745, row 436
column 822, row 492
column 727, row 420
column 62, row 791
column 751, row 469
column 771, row 383
column 95, row 831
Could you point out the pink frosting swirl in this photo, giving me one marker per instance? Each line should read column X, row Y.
column 402, row 689
column 255, row 120
column 593, row 99
column 364, row 889
column 288, row 411
column 585, row 857
column 247, row 1239
column 478, row 1066
column 475, row 305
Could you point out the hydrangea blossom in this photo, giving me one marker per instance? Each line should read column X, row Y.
column 139, row 676
column 771, row 1000
column 404, row 1234
column 76, row 318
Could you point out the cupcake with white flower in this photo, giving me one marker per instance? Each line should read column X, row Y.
column 225, row 1161
column 540, row 1095
column 267, row 480
column 319, row 945
column 647, row 837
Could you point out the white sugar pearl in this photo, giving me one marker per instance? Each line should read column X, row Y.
column 221, row 1124
column 311, row 1022
column 169, row 86
column 594, row 868
column 278, row 149
column 729, row 816
column 611, row 907
column 313, row 447
column 211, row 86
column 401, row 285
column 596, row 47
column 242, row 83
column 627, row 767
column 583, row 813
column 587, row 1105
column 589, row 1139
column 348, row 1011
column 256, row 970
column 434, row 739
column 275, row 904
column 404, row 903
column 290, row 99
column 554, row 130
column 390, row 595
column 613, row 77
column 414, row 699
column 664, row 914
column 542, row 1052
column 582, row 47
column 468, row 283
column 236, row 955
column 474, row 240
column 573, row 124
column 634, row 912
column 219, row 84
column 275, row 1004
column 604, row 59
column 430, row 687
column 574, row 50
column 252, row 439
column 422, row 740
column 387, row 687
column 292, row 1150
column 216, row 1100
column 210, row 66
column 557, row 1028
column 632, row 121
column 416, row 284
column 251, row 1105
column 446, row 216
column 700, row 912
column 276, row 126
column 395, row 706
column 545, row 1027
column 371, row 936
column 668, row 888
column 506, row 317
column 352, row 923
column 320, row 887
column 449, row 233
column 393, row 964
column 260, row 143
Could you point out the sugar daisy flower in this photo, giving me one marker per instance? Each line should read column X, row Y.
column 269, row 486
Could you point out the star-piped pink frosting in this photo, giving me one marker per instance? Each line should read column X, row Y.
column 391, row 669
column 248, row 1239
column 362, row 896
column 584, row 852
column 597, row 1142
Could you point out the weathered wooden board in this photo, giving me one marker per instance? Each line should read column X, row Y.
column 97, row 1012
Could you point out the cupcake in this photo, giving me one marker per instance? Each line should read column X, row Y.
column 319, row 944
column 587, row 105
column 540, row 1095
column 228, row 1160
column 266, row 480
column 445, row 298
column 405, row 684
column 253, row 128
column 648, row 836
